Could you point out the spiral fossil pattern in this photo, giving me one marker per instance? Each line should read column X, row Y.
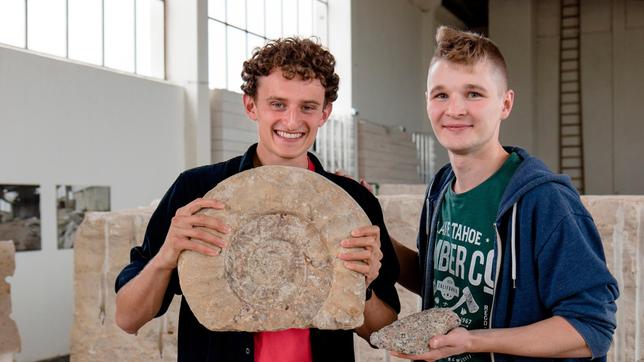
column 279, row 270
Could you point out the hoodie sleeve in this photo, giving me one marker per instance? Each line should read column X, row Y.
column 575, row 283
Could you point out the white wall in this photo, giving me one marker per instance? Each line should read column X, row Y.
column 387, row 83
column 392, row 43
column 339, row 25
column 628, row 108
column 67, row 123
column 512, row 28
column 612, row 54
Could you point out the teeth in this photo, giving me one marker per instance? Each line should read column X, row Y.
column 288, row 134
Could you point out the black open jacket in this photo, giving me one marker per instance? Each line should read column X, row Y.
column 196, row 343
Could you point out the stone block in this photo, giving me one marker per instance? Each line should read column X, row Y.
column 620, row 222
column 101, row 250
column 9, row 337
column 104, row 240
column 401, row 189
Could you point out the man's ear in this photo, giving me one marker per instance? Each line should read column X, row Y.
column 508, row 102
column 326, row 112
column 250, row 107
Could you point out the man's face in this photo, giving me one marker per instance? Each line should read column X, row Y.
column 466, row 104
column 288, row 113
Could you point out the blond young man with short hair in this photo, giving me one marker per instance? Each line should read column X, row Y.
column 504, row 242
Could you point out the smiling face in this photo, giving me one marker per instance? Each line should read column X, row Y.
column 288, row 113
column 466, row 104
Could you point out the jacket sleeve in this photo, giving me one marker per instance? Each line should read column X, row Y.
column 155, row 235
column 575, row 283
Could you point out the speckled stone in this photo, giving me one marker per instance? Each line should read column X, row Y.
column 280, row 269
column 411, row 335
column 9, row 337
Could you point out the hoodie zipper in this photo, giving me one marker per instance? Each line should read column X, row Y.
column 497, row 254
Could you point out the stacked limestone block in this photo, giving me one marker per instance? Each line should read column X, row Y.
column 620, row 221
column 95, row 337
column 402, row 215
column 101, row 250
column 401, row 189
column 9, row 337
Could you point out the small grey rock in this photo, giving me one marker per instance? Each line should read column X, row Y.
column 411, row 334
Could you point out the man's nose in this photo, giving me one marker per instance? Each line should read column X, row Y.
column 291, row 118
column 456, row 107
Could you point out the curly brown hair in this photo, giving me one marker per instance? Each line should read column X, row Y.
column 293, row 56
column 467, row 48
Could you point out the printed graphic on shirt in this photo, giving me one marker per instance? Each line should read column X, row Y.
column 463, row 261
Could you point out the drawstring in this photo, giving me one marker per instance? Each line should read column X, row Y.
column 513, row 246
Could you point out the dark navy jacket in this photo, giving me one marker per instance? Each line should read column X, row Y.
column 196, row 343
column 553, row 266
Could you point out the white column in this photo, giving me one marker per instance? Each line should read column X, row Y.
column 187, row 65
column 340, row 46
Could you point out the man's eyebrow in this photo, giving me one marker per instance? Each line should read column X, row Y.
column 276, row 98
column 437, row 88
column 311, row 101
column 475, row 87
column 281, row 99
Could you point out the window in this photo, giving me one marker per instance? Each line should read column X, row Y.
column 127, row 35
column 237, row 27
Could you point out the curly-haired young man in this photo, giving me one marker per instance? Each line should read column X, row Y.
column 289, row 88
column 503, row 241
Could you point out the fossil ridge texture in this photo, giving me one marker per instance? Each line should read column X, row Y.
column 411, row 334
column 9, row 337
column 279, row 269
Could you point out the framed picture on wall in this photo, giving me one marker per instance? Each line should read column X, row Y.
column 72, row 204
column 20, row 216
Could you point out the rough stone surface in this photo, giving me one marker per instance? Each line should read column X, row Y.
column 280, row 269
column 401, row 189
column 9, row 337
column 620, row 221
column 411, row 334
column 101, row 250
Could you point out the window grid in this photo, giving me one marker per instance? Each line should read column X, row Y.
column 66, row 55
column 224, row 21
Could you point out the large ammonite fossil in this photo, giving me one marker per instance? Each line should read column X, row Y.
column 280, row 269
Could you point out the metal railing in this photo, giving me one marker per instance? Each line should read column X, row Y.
column 336, row 145
column 426, row 155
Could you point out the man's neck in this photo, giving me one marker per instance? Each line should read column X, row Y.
column 261, row 159
column 473, row 169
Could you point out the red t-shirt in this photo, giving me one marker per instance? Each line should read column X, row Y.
column 290, row 345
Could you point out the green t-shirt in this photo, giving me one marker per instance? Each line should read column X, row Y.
column 464, row 251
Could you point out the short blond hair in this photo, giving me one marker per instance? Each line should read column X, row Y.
column 468, row 48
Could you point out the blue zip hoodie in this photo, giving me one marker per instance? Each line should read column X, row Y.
column 549, row 259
